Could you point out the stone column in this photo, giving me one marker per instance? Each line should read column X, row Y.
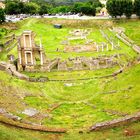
column 40, row 43
column 107, row 47
column 19, row 55
column 24, row 41
column 25, row 58
column 112, row 45
column 32, row 61
column 106, row 63
column 118, row 44
column 41, row 57
column 97, row 64
column 102, row 47
column 97, row 47
column 30, row 40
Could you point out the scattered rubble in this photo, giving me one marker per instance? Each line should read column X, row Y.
column 6, row 114
column 30, row 112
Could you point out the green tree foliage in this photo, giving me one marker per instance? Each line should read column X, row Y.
column 88, row 9
column 111, row 7
column 128, row 8
column 119, row 7
column 2, row 16
column 60, row 9
column 137, row 7
column 96, row 3
column 17, row 7
column 14, row 7
column 84, row 8
column 31, row 8
column 76, row 7
column 39, row 2
column 43, row 9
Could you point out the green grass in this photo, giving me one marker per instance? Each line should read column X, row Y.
column 75, row 98
column 11, row 133
column 73, row 75
column 84, row 101
column 132, row 28
column 52, row 38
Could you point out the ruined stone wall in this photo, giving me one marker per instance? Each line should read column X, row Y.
column 11, row 69
column 116, row 122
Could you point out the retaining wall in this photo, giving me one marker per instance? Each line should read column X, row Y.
column 116, row 122
column 11, row 69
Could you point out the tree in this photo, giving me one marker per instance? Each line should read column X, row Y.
column 2, row 16
column 137, row 7
column 84, row 8
column 88, row 10
column 31, row 8
column 96, row 3
column 10, row 8
column 112, row 7
column 128, row 8
column 60, row 9
column 14, row 7
column 76, row 7
column 43, row 9
column 39, row 2
column 119, row 7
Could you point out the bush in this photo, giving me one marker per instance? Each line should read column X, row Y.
column 137, row 7
column 60, row 9
column 128, row 8
column 2, row 16
column 43, row 9
column 84, row 8
column 17, row 7
column 14, row 7
column 88, row 10
column 31, row 8
column 119, row 7
column 98, row 9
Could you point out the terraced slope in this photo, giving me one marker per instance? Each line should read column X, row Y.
column 77, row 104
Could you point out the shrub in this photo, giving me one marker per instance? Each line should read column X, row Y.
column 137, row 7
column 2, row 16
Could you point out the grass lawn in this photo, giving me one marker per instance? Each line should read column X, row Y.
column 52, row 38
column 81, row 103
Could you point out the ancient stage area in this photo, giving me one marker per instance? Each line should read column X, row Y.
column 70, row 82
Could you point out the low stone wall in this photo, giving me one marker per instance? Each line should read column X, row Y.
column 127, row 38
column 52, row 64
column 123, row 40
column 106, row 36
column 10, row 39
column 30, row 127
column 136, row 48
column 41, row 79
column 129, row 42
column 11, row 69
column 11, row 47
column 83, row 79
column 116, row 122
column 10, row 36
